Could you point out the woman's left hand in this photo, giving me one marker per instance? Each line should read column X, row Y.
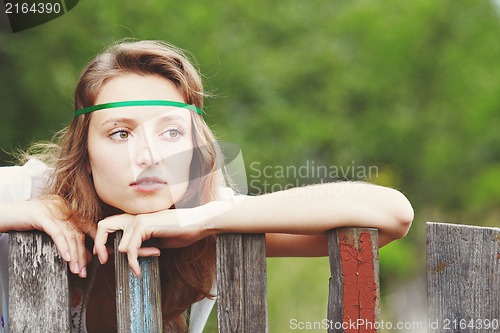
column 174, row 228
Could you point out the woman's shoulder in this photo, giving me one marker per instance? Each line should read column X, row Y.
column 25, row 181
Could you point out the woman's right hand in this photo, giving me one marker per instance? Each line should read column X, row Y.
column 47, row 215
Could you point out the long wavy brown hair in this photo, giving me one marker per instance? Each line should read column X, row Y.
column 187, row 273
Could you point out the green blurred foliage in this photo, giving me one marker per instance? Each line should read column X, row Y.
column 409, row 87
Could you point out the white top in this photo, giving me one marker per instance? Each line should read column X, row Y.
column 19, row 183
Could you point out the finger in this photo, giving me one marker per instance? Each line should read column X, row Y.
column 57, row 231
column 148, row 252
column 65, row 242
column 74, row 239
column 131, row 247
column 133, row 263
column 104, row 228
column 130, row 235
column 100, row 240
column 82, row 254
column 69, row 241
column 57, row 235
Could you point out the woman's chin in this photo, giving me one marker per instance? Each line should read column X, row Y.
column 145, row 207
column 148, row 210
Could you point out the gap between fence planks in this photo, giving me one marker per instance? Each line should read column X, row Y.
column 241, row 280
column 463, row 278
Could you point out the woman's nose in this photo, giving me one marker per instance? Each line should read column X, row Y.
column 146, row 153
column 147, row 156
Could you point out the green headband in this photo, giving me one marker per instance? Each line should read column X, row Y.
column 97, row 107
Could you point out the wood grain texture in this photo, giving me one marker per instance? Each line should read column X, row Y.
column 463, row 278
column 354, row 295
column 38, row 285
column 241, row 283
column 138, row 300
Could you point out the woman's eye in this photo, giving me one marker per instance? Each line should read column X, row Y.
column 172, row 133
column 120, row 135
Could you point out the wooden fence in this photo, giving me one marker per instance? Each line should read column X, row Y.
column 39, row 296
column 463, row 278
column 462, row 264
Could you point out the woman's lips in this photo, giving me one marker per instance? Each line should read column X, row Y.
column 148, row 184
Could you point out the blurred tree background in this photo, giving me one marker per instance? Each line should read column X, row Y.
column 411, row 88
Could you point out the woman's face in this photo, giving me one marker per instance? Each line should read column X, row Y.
column 139, row 156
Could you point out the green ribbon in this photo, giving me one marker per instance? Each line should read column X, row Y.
column 97, row 107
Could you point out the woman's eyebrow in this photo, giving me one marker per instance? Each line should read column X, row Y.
column 118, row 121
column 131, row 121
column 167, row 118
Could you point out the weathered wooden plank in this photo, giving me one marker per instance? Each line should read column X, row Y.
column 463, row 278
column 241, row 283
column 138, row 300
column 38, row 285
column 354, row 296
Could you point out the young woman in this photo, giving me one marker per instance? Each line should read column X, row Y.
column 139, row 157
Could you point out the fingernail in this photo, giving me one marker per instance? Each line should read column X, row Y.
column 93, row 250
column 100, row 259
column 83, row 272
column 135, row 275
column 76, row 268
column 67, row 256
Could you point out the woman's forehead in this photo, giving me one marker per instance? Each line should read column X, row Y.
column 141, row 115
column 138, row 87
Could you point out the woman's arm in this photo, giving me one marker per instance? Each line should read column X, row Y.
column 318, row 208
column 294, row 220
column 19, row 184
column 41, row 215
